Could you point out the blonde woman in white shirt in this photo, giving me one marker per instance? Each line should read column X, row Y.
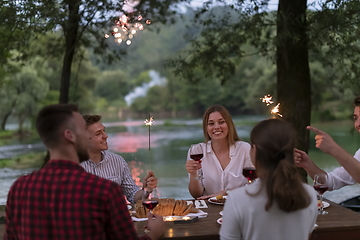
column 224, row 157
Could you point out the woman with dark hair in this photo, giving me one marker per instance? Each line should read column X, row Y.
column 278, row 205
column 224, row 156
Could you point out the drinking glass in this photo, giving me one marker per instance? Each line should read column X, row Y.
column 249, row 171
column 321, row 186
column 150, row 200
column 196, row 153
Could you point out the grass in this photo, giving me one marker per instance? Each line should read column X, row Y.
column 30, row 160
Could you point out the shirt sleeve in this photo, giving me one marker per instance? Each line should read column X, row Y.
column 339, row 177
column 128, row 185
column 120, row 225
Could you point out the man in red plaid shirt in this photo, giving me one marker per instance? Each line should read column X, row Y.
column 62, row 200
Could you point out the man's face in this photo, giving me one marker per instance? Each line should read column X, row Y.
column 81, row 138
column 357, row 119
column 97, row 137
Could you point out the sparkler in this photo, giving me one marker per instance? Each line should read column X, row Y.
column 149, row 123
column 268, row 100
column 127, row 26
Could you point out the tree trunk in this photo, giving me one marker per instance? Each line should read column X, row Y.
column 293, row 73
column 71, row 38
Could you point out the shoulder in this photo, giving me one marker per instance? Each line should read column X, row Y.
column 96, row 183
column 310, row 190
column 242, row 145
column 111, row 155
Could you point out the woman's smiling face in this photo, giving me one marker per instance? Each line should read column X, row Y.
column 217, row 127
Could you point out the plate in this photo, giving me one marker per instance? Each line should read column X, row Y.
column 325, row 204
column 221, row 213
column 129, row 207
column 219, row 221
column 213, row 200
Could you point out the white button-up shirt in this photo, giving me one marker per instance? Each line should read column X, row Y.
column 217, row 179
column 339, row 177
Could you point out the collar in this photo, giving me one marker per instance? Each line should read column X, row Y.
column 231, row 150
column 62, row 164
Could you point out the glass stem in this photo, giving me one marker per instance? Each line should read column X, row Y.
column 321, row 205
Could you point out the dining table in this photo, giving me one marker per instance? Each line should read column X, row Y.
column 339, row 224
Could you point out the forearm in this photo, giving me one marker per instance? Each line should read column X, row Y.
column 195, row 188
column 351, row 165
column 313, row 169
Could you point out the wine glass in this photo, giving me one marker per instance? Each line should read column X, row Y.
column 196, row 154
column 249, row 171
column 150, row 200
column 321, row 186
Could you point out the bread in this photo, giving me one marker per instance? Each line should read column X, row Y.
column 166, row 207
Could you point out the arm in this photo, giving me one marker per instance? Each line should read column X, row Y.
column 119, row 224
column 326, row 144
column 302, row 160
column 195, row 187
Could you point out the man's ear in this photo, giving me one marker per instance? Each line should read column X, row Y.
column 69, row 135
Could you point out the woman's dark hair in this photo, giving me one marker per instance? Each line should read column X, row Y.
column 232, row 136
column 275, row 142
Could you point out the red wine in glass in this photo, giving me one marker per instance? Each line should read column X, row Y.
column 321, row 188
column 197, row 157
column 249, row 173
column 150, row 204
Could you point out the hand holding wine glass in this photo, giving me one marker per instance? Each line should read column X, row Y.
column 150, row 200
column 321, row 186
column 196, row 154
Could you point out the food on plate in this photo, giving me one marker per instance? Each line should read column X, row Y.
column 216, row 200
column 219, row 197
column 166, row 207
column 320, row 203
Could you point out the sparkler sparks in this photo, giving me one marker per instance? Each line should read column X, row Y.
column 127, row 26
column 268, row 100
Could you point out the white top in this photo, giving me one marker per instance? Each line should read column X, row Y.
column 339, row 177
column 244, row 217
column 113, row 167
column 215, row 178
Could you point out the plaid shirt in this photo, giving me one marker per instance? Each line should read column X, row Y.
column 63, row 201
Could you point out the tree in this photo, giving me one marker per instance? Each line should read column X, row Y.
column 293, row 72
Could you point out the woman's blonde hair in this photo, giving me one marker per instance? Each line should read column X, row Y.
column 232, row 136
column 275, row 142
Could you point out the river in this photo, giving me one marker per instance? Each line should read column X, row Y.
column 169, row 142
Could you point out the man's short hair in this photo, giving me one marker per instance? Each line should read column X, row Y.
column 50, row 121
column 356, row 102
column 91, row 119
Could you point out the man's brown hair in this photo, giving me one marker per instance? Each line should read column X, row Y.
column 91, row 119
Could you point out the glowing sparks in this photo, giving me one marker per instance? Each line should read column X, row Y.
column 129, row 24
column 268, row 100
column 149, row 122
column 276, row 110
